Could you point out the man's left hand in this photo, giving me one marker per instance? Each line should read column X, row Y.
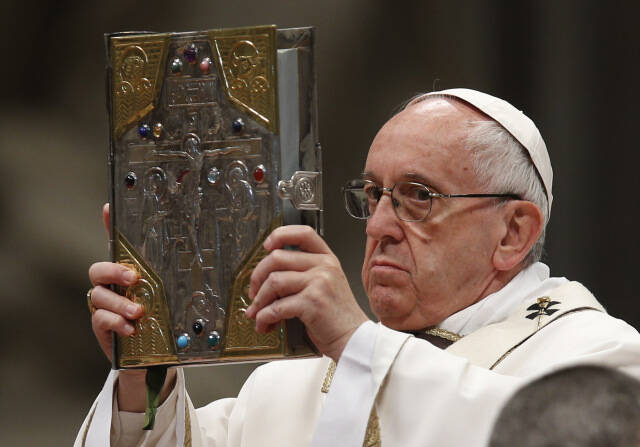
column 308, row 284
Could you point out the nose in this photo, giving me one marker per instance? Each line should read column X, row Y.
column 384, row 223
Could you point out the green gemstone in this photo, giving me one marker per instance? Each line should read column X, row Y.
column 176, row 66
column 213, row 339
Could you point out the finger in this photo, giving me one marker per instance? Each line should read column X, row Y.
column 279, row 260
column 102, row 273
column 302, row 236
column 106, row 218
column 105, row 322
column 290, row 307
column 104, row 298
column 277, row 285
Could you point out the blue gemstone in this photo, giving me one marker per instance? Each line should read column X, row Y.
column 237, row 125
column 144, row 131
column 183, row 341
column 213, row 339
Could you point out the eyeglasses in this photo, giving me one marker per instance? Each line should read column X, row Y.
column 411, row 201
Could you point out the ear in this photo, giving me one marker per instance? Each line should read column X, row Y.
column 523, row 222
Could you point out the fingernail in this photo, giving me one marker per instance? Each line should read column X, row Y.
column 130, row 276
column 249, row 312
column 128, row 329
column 132, row 310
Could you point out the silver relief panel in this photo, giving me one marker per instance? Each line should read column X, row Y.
column 194, row 184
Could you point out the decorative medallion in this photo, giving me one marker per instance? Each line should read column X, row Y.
column 242, row 337
column 151, row 342
column 138, row 65
column 247, row 58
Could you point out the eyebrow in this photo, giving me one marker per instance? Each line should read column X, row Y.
column 408, row 176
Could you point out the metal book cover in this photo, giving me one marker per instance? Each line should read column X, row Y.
column 213, row 144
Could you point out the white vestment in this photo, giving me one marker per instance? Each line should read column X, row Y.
column 422, row 395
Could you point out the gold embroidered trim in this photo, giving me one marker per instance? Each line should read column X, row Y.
column 328, row 377
column 187, row 426
column 372, row 436
column 443, row 333
column 86, row 429
column 506, row 354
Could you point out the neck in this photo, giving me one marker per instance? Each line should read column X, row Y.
column 497, row 280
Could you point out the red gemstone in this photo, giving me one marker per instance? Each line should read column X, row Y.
column 258, row 173
column 205, row 65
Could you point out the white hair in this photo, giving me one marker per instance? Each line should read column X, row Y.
column 504, row 167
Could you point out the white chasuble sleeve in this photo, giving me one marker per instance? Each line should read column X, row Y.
column 176, row 423
column 96, row 428
column 358, row 376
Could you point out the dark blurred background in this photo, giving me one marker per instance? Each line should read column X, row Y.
column 572, row 66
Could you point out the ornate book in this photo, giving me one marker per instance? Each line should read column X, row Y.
column 213, row 144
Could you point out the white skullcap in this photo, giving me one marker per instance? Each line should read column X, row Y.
column 515, row 122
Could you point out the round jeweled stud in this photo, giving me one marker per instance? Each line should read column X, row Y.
column 213, row 339
column 258, row 173
column 130, row 180
column 157, row 130
column 198, row 326
column 190, row 53
column 176, row 65
column 213, row 176
column 183, row 341
column 205, row 65
column 237, row 125
column 144, row 131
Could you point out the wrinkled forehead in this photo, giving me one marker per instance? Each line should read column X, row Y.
column 432, row 122
column 427, row 138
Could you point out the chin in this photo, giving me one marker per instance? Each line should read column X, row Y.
column 390, row 305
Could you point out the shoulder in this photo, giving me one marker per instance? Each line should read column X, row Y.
column 584, row 336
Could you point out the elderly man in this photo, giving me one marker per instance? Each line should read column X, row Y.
column 456, row 192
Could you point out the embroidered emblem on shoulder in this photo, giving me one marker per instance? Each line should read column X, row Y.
column 542, row 307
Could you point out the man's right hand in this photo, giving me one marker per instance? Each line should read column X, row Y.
column 116, row 313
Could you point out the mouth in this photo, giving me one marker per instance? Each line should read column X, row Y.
column 383, row 264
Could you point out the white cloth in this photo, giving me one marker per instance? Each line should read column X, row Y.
column 423, row 396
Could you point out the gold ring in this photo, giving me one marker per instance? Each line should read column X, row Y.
column 92, row 308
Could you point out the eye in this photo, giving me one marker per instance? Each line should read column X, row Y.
column 372, row 191
column 414, row 192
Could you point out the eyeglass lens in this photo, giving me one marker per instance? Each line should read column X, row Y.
column 411, row 201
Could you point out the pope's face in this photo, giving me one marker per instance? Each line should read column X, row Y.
column 418, row 273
